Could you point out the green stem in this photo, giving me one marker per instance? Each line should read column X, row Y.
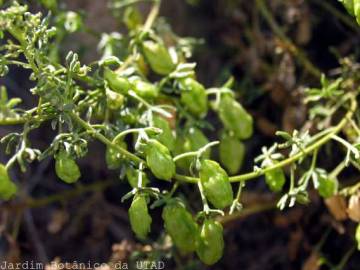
column 27, row 116
column 308, row 150
column 185, row 155
column 134, row 130
column 154, row 12
column 149, row 106
column 198, row 153
column 341, row 16
column 346, row 258
column 12, row 121
column 203, row 197
column 103, row 139
column 236, row 202
column 338, row 169
column 216, row 91
column 298, row 53
column 243, row 177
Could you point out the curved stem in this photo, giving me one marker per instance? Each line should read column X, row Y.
column 215, row 91
column 149, row 106
column 198, row 153
column 154, row 12
column 185, row 155
column 19, row 120
column 311, row 148
column 135, row 130
column 105, row 140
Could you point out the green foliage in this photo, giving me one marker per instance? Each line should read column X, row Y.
column 144, row 85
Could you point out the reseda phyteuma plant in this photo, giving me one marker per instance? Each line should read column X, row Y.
column 114, row 98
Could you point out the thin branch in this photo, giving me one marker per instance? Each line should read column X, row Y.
column 297, row 52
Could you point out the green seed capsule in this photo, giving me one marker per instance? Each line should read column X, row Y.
column 192, row 140
column 193, row 97
column 66, row 168
column 113, row 158
column 140, row 220
column 357, row 236
column 145, row 90
column 210, row 246
column 133, row 177
column 7, row 187
column 116, row 83
column 196, row 140
column 181, row 226
column 327, row 187
column 275, row 179
column 158, row 57
column 353, row 7
column 349, row 5
column 235, row 118
column 215, row 181
column 114, row 100
column 159, row 160
column 357, row 10
column 166, row 137
column 232, row 152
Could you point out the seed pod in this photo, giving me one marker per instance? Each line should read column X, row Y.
column 327, row 187
column 114, row 100
column 116, row 83
column 132, row 18
column 196, row 140
column 349, row 5
column 66, row 168
column 140, row 220
column 357, row 10
column 166, row 137
column 7, row 187
column 275, row 179
column 210, row 246
column 159, row 160
column 158, row 57
column 181, row 226
column 353, row 7
column 357, row 236
column 133, row 177
column 192, row 140
column 113, row 157
column 232, row 152
column 193, row 97
column 215, row 181
column 144, row 89
column 353, row 208
column 235, row 118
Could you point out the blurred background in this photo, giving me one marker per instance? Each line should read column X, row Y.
column 274, row 49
